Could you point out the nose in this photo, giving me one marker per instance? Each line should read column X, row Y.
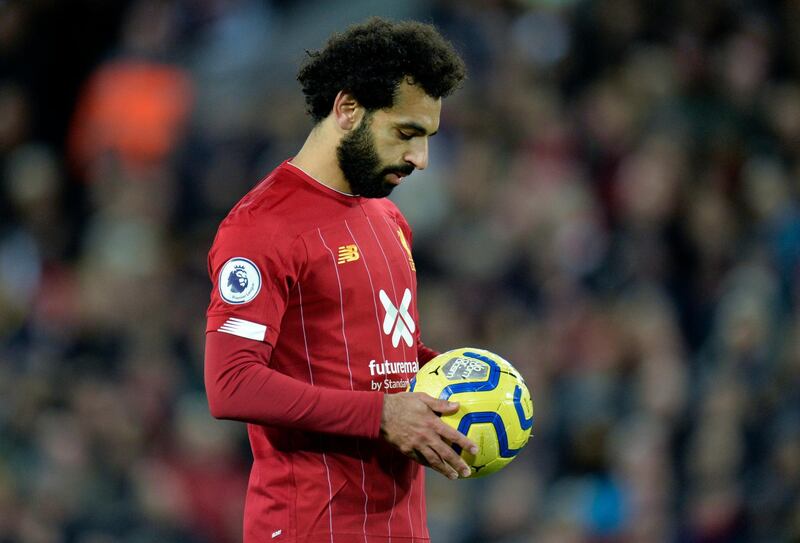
column 418, row 154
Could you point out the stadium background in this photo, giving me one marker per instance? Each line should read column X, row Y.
column 612, row 204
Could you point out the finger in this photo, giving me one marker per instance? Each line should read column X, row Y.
column 451, row 458
column 444, row 407
column 454, row 437
column 436, row 462
column 414, row 455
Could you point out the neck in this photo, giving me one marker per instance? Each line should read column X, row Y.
column 317, row 157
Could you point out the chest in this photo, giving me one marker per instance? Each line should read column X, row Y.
column 356, row 303
column 358, row 260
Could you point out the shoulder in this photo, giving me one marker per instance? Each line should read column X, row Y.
column 267, row 200
column 389, row 208
column 263, row 217
column 271, row 204
column 397, row 215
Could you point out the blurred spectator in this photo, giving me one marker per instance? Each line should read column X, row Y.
column 134, row 107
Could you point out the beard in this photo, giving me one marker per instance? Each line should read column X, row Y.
column 361, row 166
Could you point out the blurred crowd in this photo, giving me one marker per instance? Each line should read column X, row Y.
column 612, row 204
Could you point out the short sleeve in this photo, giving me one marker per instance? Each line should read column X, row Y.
column 253, row 269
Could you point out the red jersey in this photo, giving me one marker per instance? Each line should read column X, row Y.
column 313, row 317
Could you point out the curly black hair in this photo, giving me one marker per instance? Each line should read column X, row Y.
column 371, row 59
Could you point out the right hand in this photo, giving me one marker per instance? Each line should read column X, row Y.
column 411, row 422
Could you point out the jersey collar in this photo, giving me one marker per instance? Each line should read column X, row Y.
column 339, row 195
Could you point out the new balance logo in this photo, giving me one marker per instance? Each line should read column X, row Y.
column 398, row 322
column 348, row 253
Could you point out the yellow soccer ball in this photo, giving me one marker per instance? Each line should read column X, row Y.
column 495, row 407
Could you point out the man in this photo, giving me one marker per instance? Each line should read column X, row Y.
column 312, row 330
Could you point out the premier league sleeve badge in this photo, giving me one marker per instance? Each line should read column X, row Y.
column 239, row 281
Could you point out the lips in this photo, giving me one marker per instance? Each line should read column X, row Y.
column 395, row 177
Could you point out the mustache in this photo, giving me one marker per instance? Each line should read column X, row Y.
column 405, row 169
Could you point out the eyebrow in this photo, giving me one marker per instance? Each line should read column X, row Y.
column 416, row 128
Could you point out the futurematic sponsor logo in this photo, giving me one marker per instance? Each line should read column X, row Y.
column 388, row 369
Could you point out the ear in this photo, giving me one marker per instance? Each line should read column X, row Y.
column 347, row 112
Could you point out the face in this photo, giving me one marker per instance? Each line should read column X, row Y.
column 237, row 280
column 390, row 143
column 242, row 276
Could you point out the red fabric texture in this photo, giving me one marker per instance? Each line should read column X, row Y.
column 241, row 386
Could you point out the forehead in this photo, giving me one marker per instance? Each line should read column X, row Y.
column 413, row 105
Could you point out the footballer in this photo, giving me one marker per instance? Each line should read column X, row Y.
column 313, row 329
